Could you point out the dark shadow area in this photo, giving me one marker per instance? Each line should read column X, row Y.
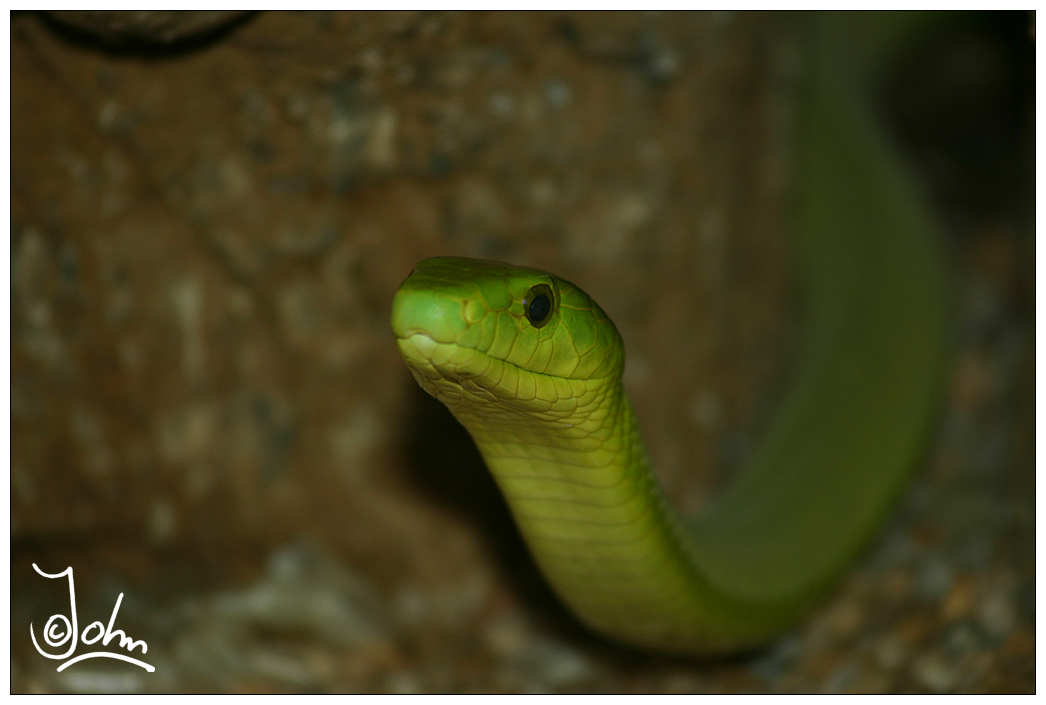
column 136, row 47
column 961, row 105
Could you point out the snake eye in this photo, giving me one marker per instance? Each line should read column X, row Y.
column 538, row 305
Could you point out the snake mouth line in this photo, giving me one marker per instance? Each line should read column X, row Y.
column 430, row 344
column 425, row 346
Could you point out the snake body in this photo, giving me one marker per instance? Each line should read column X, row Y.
column 532, row 367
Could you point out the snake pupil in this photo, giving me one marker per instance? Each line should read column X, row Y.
column 539, row 308
column 539, row 305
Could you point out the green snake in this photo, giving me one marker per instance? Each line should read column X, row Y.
column 532, row 367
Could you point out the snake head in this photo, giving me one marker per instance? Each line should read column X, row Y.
column 513, row 335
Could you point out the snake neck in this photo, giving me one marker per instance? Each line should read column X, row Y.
column 580, row 485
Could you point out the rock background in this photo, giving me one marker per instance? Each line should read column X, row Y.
column 209, row 414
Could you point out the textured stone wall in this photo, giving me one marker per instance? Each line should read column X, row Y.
column 206, row 239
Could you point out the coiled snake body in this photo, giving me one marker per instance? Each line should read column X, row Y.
column 532, row 367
